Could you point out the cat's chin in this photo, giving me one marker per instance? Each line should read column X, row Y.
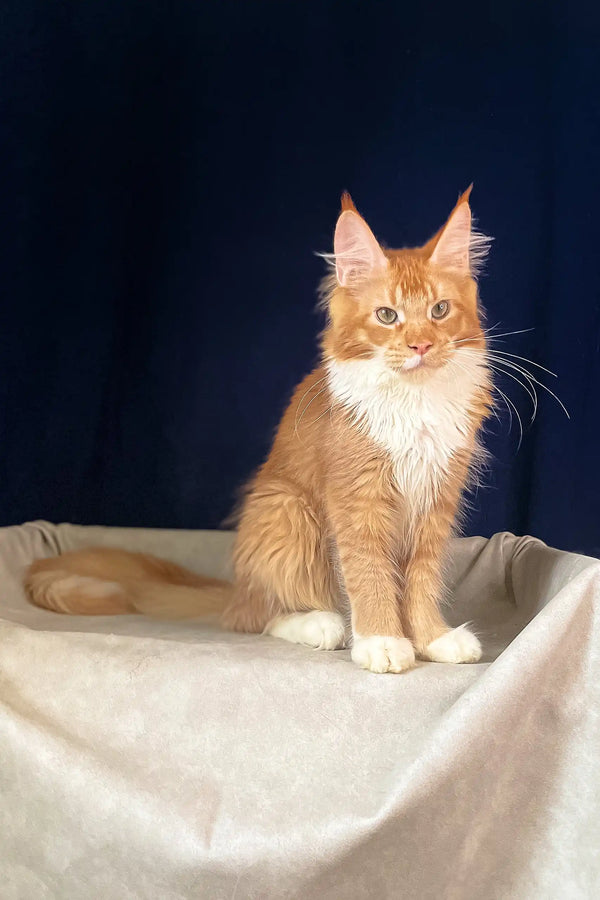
column 417, row 372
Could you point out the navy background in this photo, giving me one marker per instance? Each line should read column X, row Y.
column 169, row 169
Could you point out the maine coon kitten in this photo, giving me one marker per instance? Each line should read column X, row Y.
column 353, row 508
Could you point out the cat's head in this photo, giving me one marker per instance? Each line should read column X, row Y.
column 410, row 309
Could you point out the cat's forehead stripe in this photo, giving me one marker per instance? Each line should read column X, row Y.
column 407, row 293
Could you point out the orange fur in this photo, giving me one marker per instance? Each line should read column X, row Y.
column 107, row 581
column 329, row 522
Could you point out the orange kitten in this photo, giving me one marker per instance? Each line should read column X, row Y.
column 353, row 508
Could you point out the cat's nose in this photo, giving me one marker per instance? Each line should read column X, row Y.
column 421, row 349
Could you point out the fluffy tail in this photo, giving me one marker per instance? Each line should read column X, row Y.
column 105, row 582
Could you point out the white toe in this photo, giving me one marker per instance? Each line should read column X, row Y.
column 458, row 646
column 383, row 654
column 322, row 630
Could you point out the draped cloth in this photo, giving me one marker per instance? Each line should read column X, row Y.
column 157, row 759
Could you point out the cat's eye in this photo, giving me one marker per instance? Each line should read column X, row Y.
column 386, row 315
column 440, row 309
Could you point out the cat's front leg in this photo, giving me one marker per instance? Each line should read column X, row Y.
column 432, row 637
column 363, row 533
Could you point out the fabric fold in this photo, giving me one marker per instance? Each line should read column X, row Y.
column 165, row 759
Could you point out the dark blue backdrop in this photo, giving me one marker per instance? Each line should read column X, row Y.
column 169, row 169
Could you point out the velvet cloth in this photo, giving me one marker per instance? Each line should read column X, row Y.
column 150, row 759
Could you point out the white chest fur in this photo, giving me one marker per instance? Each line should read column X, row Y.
column 421, row 424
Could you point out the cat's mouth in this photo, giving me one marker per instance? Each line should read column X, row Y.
column 414, row 364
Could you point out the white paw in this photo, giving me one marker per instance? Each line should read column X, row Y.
column 322, row 630
column 458, row 646
column 383, row 654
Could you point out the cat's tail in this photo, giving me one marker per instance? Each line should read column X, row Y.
column 105, row 582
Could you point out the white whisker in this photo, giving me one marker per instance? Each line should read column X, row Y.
column 495, row 337
column 318, row 394
column 298, row 417
column 473, row 337
column 328, row 410
column 509, row 406
column 523, row 358
column 529, row 375
column 530, row 390
column 508, row 401
column 508, row 333
column 309, row 389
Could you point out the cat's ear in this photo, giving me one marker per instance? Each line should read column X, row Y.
column 355, row 249
column 457, row 245
column 451, row 250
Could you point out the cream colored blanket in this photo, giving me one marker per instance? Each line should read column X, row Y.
column 156, row 760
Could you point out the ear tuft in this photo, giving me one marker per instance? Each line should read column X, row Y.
column 348, row 202
column 465, row 196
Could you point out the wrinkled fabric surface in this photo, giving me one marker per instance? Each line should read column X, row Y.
column 150, row 759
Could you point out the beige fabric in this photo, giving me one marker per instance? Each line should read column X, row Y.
column 160, row 760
